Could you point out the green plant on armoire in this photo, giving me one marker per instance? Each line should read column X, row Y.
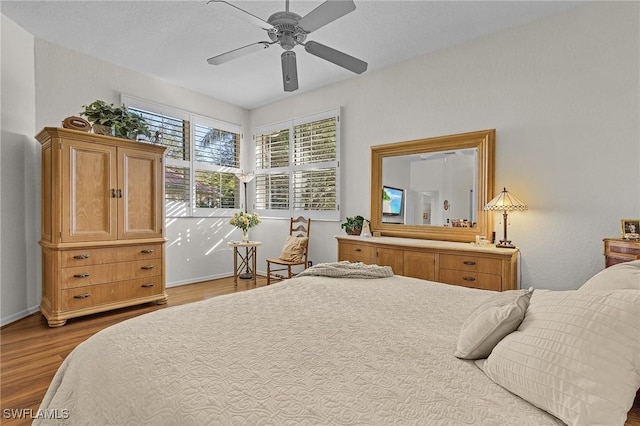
column 107, row 119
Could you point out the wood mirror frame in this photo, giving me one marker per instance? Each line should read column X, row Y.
column 483, row 140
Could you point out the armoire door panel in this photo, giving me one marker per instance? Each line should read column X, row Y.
column 89, row 209
column 141, row 203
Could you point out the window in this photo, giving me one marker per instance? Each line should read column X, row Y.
column 297, row 167
column 202, row 158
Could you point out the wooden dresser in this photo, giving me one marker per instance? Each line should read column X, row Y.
column 463, row 264
column 618, row 250
column 102, row 224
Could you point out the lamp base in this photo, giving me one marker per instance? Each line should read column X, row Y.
column 245, row 276
column 505, row 244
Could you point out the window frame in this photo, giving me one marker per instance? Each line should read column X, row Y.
column 188, row 208
column 291, row 169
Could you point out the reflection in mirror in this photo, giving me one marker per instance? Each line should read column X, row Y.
column 431, row 188
column 434, row 188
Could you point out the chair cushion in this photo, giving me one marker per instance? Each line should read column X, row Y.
column 294, row 248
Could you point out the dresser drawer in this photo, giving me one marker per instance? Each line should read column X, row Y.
column 357, row 252
column 471, row 263
column 471, row 279
column 80, row 276
column 97, row 256
column 453, row 263
column 101, row 294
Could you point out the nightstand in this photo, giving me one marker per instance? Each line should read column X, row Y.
column 618, row 250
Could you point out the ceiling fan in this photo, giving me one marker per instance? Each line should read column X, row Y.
column 289, row 29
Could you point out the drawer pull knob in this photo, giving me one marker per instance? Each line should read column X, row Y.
column 81, row 256
column 469, row 262
column 81, row 296
column 146, row 251
column 468, row 278
column 147, row 285
column 147, row 267
column 83, row 275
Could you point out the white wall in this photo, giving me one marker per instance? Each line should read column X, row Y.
column 562, row 94
column 66, row 80
column 44, row 91
column 20, row 271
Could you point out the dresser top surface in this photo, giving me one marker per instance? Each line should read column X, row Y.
column 431, row 244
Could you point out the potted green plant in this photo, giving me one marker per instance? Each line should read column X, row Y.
column 353, row 225
column 129, row 125
column 115, row 121
column 101, row 115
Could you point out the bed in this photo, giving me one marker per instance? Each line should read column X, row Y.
column 311, row 350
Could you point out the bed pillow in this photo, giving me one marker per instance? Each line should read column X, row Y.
column 294, row 247
column 620, row 276
column 576, row 355
column 490, row 322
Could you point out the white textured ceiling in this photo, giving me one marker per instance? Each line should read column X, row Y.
column 171, row 40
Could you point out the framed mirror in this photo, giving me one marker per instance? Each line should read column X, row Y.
column 434, row 188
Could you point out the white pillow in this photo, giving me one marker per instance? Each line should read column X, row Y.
column 620, row 276
column 576, row 355
column 490, row 322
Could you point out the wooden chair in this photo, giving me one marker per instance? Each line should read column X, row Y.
column 298, row 227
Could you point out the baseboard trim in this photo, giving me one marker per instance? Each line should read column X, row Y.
column 18, row 316
column 197, row 280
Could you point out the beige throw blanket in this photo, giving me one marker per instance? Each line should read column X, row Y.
column 346, row 269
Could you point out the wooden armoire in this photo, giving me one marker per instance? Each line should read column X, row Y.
column 102, row 224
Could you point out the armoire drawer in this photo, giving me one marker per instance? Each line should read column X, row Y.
column 471, row 279
column 97, row 256
column 80, row 276
column 463, row 262
column 101, row 294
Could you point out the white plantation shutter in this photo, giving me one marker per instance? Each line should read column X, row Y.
column 202, row 158
column 297, row 167
column 176, row 188
column 314, row 190
column 272, row 192
column 272, row 149
column 315, row 142
column 216, row 159
column 216, row 146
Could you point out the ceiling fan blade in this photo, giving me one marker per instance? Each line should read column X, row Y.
column 236, row 53
column 243, row 14
column 327, row 12
column 289, row 71
column 335, row 56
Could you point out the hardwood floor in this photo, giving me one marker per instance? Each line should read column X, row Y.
column 31, row 352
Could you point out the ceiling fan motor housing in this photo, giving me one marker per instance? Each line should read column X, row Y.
column 286, row 30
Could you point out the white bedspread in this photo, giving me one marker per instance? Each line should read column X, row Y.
column 307, row 351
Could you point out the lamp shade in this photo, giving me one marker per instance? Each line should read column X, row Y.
column 245, row 177
column 505, row 201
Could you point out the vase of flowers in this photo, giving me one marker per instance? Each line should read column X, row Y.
column 244, row 221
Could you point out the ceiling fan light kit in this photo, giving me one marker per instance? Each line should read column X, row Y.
column 289, row 29
column 289, row 71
